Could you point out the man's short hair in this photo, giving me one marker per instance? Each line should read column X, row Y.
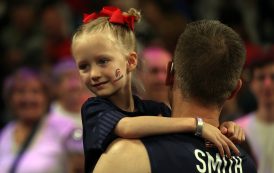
column 208, row 61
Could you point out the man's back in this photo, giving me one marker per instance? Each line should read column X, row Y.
column 176, row 153
column 187, row 153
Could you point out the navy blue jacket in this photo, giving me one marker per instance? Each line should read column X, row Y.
column 99, row 118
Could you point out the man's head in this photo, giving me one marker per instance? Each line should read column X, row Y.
column 208, row 62
column 153, row 72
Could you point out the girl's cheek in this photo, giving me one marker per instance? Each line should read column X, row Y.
column 117, row 75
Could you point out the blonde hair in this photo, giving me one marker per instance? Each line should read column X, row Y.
column 122, row 33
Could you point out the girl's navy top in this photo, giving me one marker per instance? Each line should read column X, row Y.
column 99, row 118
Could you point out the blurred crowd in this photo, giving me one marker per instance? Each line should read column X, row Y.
column 41, row 92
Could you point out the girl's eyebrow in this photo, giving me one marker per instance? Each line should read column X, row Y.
column 103, row 55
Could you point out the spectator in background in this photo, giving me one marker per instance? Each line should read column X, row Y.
column 230, row 14
column 161, row 17
column 70, row 94
column 69, row 91
column 33, row 141
column 21, row 38
column 56, row 29
column 153, row 72
column 259, row 125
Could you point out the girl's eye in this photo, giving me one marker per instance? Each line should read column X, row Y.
column 82, row 66
column 103, row 61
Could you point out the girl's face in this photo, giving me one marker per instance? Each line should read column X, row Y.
column 102, row 65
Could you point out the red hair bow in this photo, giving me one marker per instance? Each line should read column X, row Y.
column 115, row 16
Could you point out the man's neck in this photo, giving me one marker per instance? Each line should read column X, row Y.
column 182, row 107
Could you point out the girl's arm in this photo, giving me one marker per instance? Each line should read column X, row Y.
column 137, row 127
column 142, row 126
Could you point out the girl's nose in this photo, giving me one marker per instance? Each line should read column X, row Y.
column 95, row 74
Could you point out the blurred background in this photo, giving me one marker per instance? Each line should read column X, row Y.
column 36, row 61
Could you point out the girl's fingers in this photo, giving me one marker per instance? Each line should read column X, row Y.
column 226, row 147
column 232, row 146
column 230, row 131
column 220, row 148
column 223, row 130
column 242, row 136
column 236, row 136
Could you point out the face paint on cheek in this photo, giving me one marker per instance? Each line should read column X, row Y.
column 118, row 75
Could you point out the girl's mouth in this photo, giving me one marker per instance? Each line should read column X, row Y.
column 99, row 84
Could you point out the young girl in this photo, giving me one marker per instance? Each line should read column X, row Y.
column 104, row 49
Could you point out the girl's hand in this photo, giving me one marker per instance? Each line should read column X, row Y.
column 233, row 131
column 214, row 135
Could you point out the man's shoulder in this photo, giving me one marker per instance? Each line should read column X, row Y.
column 120, row 151
column 127, row 148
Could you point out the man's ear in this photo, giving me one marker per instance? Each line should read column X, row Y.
column 132, row 61
column 236, row 90
column 170, row 74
